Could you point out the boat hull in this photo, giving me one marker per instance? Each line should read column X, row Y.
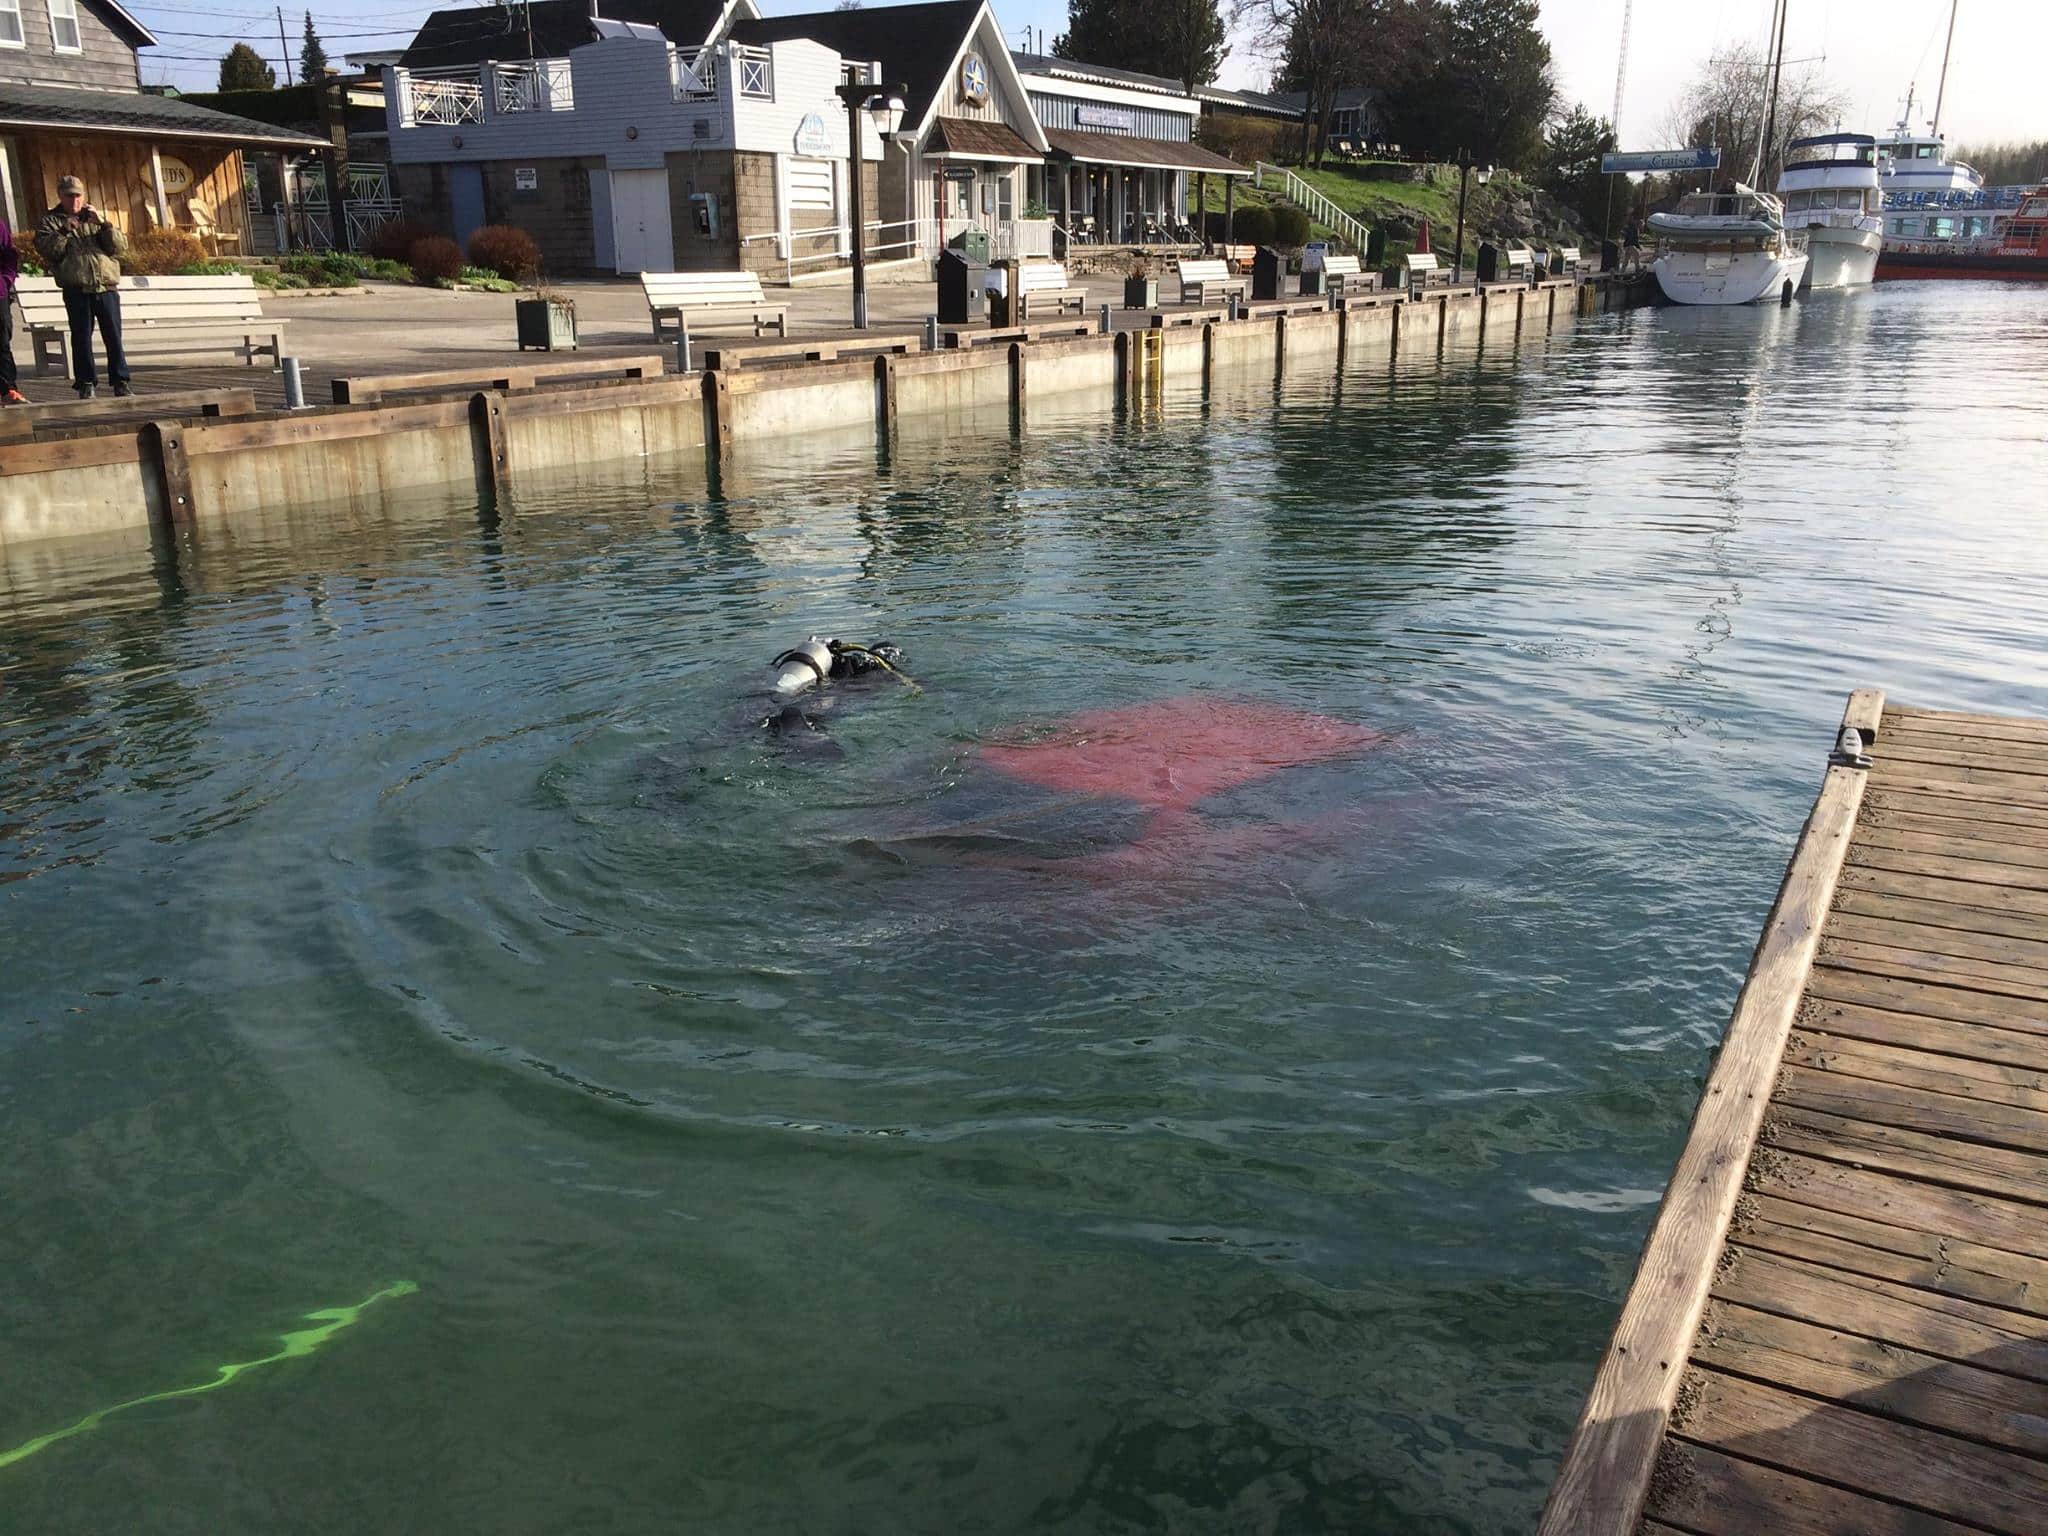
column 1896, row 265
column 1717, row 277
column 1841, row 258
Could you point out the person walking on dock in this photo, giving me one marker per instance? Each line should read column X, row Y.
column 10, row 271
column 1632, row 244
column 83, row 252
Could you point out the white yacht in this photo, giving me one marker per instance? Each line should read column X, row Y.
column 1830, row 190
column 1726, row 248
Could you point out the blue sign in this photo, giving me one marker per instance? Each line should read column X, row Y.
column 1987, row 197
column 1661, row 160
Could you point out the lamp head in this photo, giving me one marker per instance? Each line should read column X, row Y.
column 885, row 111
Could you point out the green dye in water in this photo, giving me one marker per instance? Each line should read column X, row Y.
column 292, row 1345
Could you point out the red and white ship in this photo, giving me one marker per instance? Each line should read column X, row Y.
column 2017, row 250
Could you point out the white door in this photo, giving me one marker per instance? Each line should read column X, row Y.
column 640, row 229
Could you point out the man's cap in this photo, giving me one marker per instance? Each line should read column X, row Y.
column 66, row 185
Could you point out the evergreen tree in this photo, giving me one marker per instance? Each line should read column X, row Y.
column 312, row 57
column 242, row 69
column 1500, row 77
column 1183, row 40
column 1571, row 171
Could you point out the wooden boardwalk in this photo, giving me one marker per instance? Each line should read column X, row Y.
column 1839, row 1322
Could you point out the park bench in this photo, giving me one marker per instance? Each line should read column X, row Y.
column 1564, row 262
column 1424, row 271
column 1240, row 257
column 160, row 317
column 368, row 389
column 1043, row 284
column 690, row 299
column 1518, row 262
column 1200, row 281
column 1343, row 273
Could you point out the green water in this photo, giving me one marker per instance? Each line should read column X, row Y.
column 784, row 1141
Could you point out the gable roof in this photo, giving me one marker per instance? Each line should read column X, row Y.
column 916, row 44
column 126, row 22
column 51, row 106
column 455, row 39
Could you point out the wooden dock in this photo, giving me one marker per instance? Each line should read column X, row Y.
column 1839, row 1322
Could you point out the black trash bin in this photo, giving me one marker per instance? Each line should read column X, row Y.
column 1375, row 249
column 1314, row 282
column 1610, row 256
column 1266, row 269
column 1489, row 262
column 960, row 285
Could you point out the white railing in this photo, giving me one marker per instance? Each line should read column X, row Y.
column 1311, row 202
column 450, row 98
column 535, row 85
column 362, row 218
column 1007, row 238
column 369, row 183
column 756, row 72
column 693, row 74
column 882, row 241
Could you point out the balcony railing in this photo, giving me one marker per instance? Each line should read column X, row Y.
column 756, row 71
column 693, row 73
column 450, row 97
column 535, row 85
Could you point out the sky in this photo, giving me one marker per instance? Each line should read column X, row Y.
column 1870, row 49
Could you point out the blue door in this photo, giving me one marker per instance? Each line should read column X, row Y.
column 465, row 201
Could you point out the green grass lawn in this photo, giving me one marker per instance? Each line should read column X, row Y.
column 1375, row 201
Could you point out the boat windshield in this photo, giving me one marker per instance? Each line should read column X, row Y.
column 1727, row 205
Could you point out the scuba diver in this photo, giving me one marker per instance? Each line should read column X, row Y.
column 820, row 661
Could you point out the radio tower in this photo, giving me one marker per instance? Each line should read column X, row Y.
column 1620, row 71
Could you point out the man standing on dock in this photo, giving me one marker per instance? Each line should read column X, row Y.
column 83, row 252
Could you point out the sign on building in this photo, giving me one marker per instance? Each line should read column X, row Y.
column 1661, row 160
column 810, row 136
column 525, row 178
column 1106, row 117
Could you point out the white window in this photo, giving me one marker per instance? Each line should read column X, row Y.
column 10, row 24
column 64, row 26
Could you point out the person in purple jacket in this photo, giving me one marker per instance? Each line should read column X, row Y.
column 10, row 269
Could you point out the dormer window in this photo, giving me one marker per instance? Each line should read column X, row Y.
column 64, row 26
column 10, row 25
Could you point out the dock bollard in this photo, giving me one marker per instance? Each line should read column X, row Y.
column 1102, row 321
column 682, row 344
column 931, row 333
column 294, row 386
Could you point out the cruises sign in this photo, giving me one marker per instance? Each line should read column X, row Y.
column 1661, row 160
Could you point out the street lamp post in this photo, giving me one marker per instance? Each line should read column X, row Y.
column 1466, row 165
column 884, row 107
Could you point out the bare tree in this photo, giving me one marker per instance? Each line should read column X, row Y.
column 1727, row 104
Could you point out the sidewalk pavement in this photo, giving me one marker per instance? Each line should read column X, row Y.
column 390, row 328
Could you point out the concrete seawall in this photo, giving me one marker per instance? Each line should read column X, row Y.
column 209, row 471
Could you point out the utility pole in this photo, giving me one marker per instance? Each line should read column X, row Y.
column 284, row 50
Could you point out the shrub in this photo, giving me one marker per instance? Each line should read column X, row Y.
column 1290, row 227
column 1254, row 225
column 31, row 265
column 395, row 238
column 434, row 257
column 156, row 252
column 1248, row 139
column 387, row 271
column 505, row 250
column 487, row 280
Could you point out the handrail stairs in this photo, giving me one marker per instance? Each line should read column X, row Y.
column 1311, row 202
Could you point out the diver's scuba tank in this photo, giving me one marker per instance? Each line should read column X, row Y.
column 803, row 666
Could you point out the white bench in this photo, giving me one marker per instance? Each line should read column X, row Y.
column 1425, row 272
column 1199, row 278
column 1043, row 284
column 1519, row 262
column 1568, row 260
column 1240, row 257
column 1342, row 272
column 693, row 298
column 160, row 316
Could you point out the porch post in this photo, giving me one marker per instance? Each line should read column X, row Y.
column 1230, row 210
column 156, row 174
column 1202, row 208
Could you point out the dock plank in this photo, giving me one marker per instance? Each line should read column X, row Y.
column 1996, row 1489
column 1871, row 1355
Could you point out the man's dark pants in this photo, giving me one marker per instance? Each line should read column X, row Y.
column 7, row 375
column 84, row 309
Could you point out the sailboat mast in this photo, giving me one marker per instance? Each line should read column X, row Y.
column 1942, row 89
column 1769, row 126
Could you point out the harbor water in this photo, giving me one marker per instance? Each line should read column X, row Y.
column 827, row 1130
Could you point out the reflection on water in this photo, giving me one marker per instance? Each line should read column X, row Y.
column 879, row 1140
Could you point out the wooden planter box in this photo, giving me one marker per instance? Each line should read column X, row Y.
column 1141, row 293
column 546, row 325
